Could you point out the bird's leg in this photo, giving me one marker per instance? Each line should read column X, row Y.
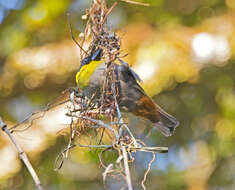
column 76, row 92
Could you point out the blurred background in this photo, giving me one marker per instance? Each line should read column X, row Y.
column 184, row 51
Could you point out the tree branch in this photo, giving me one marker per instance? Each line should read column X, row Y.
column 22, row 155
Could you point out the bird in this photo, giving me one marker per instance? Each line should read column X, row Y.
column 131, row 96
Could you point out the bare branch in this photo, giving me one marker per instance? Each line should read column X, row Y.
column 22, row 155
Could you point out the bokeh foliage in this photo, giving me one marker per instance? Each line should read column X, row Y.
column 38, row 60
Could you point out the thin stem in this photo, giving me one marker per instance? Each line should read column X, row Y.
column 71, row 32
column 136, row 3
column 100, row 123
column 95, row 146
column 127, row 170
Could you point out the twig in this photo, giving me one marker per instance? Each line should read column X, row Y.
column 123, row 148
column 22, row 155
column 124, row 152
column 108, row 12
column 150, row 149
column 136, row 3
column 41, row 112
column 95, row 146
column 147, row 171
column 142, row 149
column 71, row 32
column 120, row 117
column 126, row 166
column 98, row 122
column 108, row 169
column 61, row 156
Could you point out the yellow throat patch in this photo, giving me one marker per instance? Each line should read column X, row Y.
column 83, row 76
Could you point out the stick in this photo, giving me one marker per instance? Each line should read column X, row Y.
column 22, row 155
column 126, row 166
column 136, row 3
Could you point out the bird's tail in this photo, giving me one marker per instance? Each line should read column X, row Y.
column 167, row 123
column 163, row 121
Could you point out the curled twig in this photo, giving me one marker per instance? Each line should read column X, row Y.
column 147, row 171
column 107, row 170
column 99, row 123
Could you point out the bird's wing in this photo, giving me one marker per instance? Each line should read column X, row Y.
column 131, row 71
column 135, row 75
column 130, row 77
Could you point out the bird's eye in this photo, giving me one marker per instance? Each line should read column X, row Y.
column 96, row 55
column 85, row 61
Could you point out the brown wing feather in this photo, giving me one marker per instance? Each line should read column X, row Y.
column 147, row 108
column 164, row 122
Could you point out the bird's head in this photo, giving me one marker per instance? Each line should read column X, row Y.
column 95, row 56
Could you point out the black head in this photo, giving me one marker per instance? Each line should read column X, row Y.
column 95, row 56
